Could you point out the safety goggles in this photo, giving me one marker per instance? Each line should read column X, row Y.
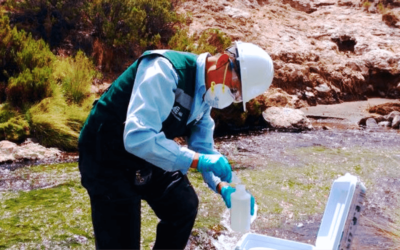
column 235, row 69
column 235, row 91
column 233, row 53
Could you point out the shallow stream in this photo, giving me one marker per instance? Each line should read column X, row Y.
column 290, row 175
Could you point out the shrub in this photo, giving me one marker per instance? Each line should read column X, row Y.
column 13, row 126
column 75, row 76
column 50, row 20
column 15, row 129
column 211, row 40
column 109, row 30
column 33, row 54
column 127, row 27
column 26, row 66
column 182, row 41
column 10, row 43
column 6, row 113
column 29, row 87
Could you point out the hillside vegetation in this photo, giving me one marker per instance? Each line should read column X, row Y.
column 53, row 51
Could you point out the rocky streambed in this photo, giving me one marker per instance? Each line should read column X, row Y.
column 290, row 175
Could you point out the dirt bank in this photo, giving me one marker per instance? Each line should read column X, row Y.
column 324, row 51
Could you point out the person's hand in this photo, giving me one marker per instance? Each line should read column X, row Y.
column 217, row 164
column 226, row 192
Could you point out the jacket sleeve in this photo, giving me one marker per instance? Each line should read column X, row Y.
column 150, row 104
column 201, row 140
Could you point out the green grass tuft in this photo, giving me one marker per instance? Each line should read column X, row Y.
column 75, row 76
column 56, row 124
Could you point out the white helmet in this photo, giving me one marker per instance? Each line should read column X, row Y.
column 256, row 70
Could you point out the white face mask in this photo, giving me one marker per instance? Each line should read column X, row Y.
column 219, row 96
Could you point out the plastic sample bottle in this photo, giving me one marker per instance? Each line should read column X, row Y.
column 240, row 210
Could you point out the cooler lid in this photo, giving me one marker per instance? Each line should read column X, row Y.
column 336, row 212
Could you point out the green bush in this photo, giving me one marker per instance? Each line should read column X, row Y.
column 10, row 43
column 211, row 40
column 6, row 113
column 25, row 68
column 121, row 23
column 127, row 28
column 51, row 20
column 75, row 76
column 29, row 87
column 15, row 129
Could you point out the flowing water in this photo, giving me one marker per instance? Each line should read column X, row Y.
column 290, row 176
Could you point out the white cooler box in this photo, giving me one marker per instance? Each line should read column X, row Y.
column 338, row 224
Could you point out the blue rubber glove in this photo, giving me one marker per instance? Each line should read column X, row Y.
column 217, row 164
column 226, row 192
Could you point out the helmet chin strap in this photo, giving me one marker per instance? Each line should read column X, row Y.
column 223, row 82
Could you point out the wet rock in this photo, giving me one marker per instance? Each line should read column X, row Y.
column 287, row 119
column 382, row 60
column 323, row 88
column 384, row 124
column 378, row 119
column 7, row 147
column 27, row 151
column 391, row 115
column 310, row 98
column 326, row 95
column 396, row 122
column 276, row 97
column 371, row 123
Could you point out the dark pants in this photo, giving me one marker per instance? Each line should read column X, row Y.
column 115, row 193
